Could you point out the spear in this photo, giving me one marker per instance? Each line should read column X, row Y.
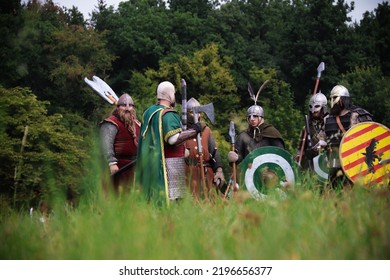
column 320, row 68
column 232, row 134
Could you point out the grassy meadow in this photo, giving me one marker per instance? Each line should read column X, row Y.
column 354, row 224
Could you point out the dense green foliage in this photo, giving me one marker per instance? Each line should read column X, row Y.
column 217, row 46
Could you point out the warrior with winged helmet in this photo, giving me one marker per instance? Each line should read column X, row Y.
column 258, row 134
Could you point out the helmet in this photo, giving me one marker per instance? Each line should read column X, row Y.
column 318, row 102
column 125, row 99
column 192, row 103
column 190, row 107
column 255, row 110
column 166, row 91
column 338, row 92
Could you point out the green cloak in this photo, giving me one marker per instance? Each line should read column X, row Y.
column 158, row 124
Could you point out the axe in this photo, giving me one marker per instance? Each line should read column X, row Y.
column 102, row 89
column 209, row 111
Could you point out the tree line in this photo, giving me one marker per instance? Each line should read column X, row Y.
column 218, row 47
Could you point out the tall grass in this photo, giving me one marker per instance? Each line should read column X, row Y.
column 354, row 224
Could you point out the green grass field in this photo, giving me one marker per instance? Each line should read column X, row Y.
column 351, row 225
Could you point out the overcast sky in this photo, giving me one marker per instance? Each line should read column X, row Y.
column 87, row 6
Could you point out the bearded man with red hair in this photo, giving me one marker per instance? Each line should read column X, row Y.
column 119, row 140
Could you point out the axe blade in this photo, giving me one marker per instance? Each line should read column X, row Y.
column 208, row 109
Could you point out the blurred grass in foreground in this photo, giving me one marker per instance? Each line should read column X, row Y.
column 352, row 225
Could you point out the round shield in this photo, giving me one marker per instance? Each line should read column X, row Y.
column 320, row 167
column 266, row 168
column 363, row 153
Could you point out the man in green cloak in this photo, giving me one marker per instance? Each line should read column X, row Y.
column 160, row 157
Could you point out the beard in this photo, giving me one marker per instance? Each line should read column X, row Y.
column 190, row 119
column 316, row 116
column 336, row 109
column 128, row 117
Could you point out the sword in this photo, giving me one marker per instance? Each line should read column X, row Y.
column 184, row 104
column 309, row 144
column 124, row 168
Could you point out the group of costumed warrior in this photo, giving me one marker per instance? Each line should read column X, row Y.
column 166, row 159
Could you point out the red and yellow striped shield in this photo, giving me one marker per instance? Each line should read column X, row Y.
column 363, row 153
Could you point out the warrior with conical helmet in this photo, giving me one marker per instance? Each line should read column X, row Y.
column 212, row 163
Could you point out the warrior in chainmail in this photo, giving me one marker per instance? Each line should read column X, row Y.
column 211, row 158
column 119, row 140
column 258, row 134
column 343, row 115
column 318, row 110
column 160, row 161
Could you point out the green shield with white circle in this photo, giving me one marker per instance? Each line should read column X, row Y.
column 266, row 168
column 320, row 167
